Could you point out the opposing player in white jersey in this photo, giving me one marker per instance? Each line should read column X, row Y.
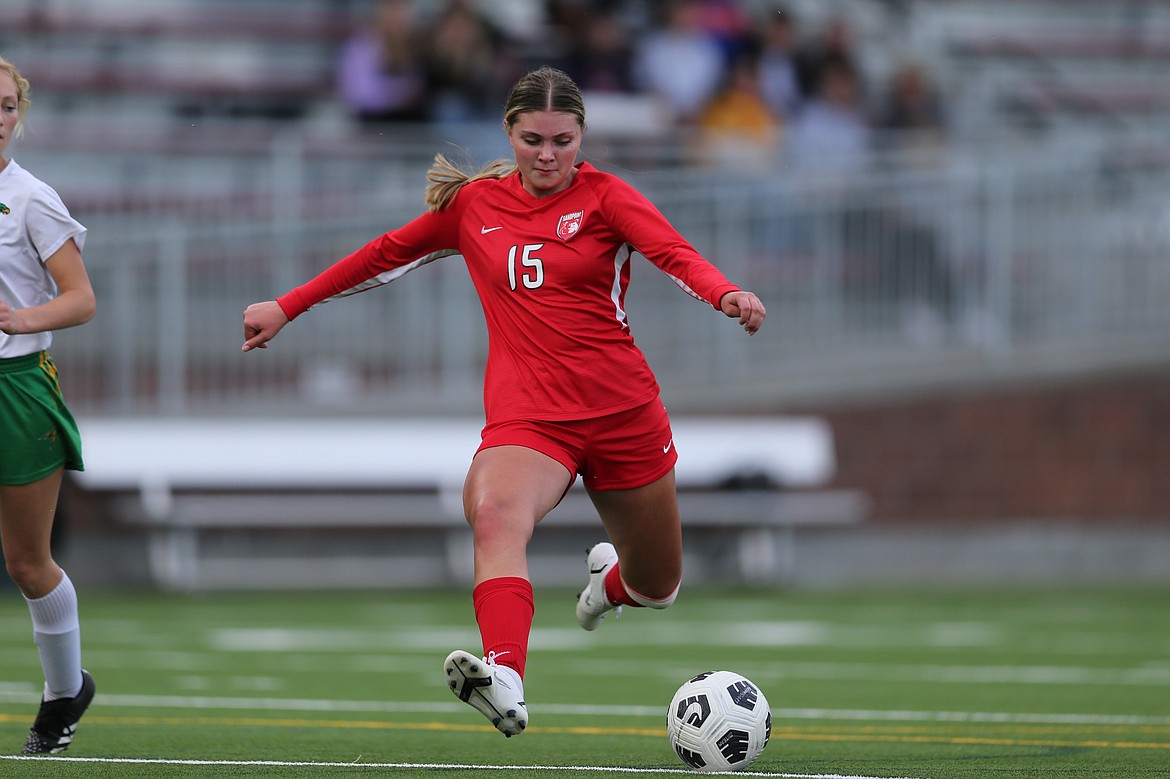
column 548, row 243
column 43, row 287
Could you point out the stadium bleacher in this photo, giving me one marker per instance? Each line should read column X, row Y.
column 750, row 481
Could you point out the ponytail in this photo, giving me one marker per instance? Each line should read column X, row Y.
column 446, row 179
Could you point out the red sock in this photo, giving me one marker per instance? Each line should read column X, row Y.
column 503, row 608
column 615, row 588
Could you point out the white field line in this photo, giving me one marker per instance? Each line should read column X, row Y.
column 604, row 770
column 19, row 693
column 1044, row 675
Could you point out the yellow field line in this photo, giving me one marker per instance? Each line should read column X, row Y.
column 969, row 740
column 889, row 730
column 860, row 735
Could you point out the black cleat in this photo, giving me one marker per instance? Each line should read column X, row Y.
column 56, row 722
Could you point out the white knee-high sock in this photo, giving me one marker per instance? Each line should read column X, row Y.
column 57, row 631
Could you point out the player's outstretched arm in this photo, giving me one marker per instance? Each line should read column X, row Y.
column 262, row 321
column 746, row 307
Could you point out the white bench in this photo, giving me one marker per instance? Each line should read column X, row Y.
column 181, row 479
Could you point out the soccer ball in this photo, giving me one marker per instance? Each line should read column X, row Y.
column 719, row 721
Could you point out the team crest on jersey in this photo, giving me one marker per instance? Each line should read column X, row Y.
column 5, row 209
column 570, row 225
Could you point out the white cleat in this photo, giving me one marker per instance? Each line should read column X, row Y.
column 496, row 691
column 591, row 602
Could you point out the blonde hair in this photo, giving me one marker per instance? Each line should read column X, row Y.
column 446, row 179
column 22, row 99
column 544, row 89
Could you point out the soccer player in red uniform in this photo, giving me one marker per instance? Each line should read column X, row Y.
column 548, row 243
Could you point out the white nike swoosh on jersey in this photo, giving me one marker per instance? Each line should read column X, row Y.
column 485, row 229
column 669, row 444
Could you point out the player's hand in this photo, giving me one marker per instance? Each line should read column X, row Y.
column 10, row 319
column 262, row 321
column 746, row 307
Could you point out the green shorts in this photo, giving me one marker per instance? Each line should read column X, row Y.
column 38, row 435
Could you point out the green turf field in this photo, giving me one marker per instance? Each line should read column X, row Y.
column 923, row 685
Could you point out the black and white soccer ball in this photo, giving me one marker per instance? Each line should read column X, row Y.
column 719, row 721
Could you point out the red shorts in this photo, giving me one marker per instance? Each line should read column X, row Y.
column 614, row 452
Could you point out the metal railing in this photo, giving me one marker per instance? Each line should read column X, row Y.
column 986, row 264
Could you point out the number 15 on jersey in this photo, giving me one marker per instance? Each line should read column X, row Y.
column 528, row 268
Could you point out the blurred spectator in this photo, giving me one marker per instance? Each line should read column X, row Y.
column 737, row 127
column 834, row 44
column 832, row 132
column 728, row 24
column 600, row 57
column 778, row 78
column 912, row 112
column 679, row 61
column 467, row 72
column 380, row 73
column 563, row 39
column 911, row 103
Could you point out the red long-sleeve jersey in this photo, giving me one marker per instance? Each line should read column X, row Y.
column 551, row 274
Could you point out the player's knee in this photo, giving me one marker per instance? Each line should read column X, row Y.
column 31, row 576
column 493, row 523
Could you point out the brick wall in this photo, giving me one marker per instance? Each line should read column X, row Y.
column 1093, row 450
